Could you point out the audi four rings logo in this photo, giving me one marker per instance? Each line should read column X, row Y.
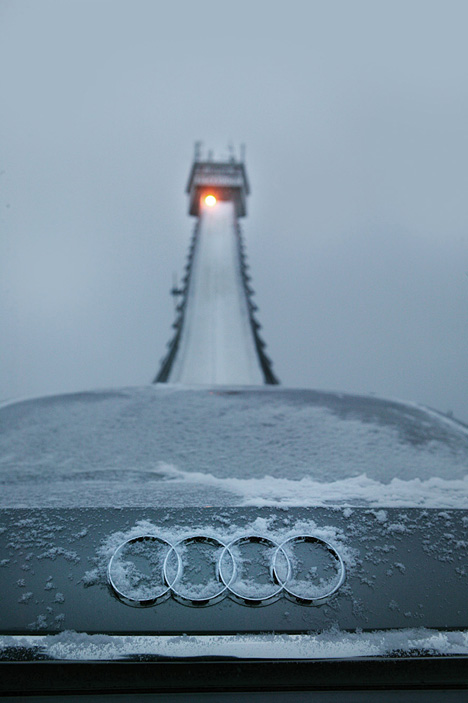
column 201, row 570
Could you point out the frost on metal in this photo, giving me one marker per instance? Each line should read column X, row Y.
column 171, row 446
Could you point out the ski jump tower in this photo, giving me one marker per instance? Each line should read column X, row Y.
column 216, row 338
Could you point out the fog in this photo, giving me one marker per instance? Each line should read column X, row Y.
column 355, row 118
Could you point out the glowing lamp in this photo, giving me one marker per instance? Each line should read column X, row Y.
column 210, row 200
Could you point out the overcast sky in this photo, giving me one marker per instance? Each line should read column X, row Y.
column 355, row 117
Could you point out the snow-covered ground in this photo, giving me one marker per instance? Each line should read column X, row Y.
column 217, row 344
column 168, row 445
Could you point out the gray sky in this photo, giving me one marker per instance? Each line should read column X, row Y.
column 355, row 118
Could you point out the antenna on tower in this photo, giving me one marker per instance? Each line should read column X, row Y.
column 198, row 146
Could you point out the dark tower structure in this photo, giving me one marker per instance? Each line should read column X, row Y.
column 216, row 338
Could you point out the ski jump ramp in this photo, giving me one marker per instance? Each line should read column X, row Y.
column 217, row 339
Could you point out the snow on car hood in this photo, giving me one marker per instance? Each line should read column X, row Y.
column 176, row 446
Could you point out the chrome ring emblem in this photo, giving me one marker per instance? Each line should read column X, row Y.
column 318, row 570
column 135, row 570
column 186, row 564
column 252, row 579
column 201, row 570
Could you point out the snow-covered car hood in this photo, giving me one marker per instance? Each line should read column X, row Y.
column 383, row 483
column 56, row 566
column 174, row 446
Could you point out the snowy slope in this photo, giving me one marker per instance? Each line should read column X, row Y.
column 217, row 344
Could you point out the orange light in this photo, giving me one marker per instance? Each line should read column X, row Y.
column 210, row 200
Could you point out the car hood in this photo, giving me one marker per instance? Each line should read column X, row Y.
column 381, row 484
